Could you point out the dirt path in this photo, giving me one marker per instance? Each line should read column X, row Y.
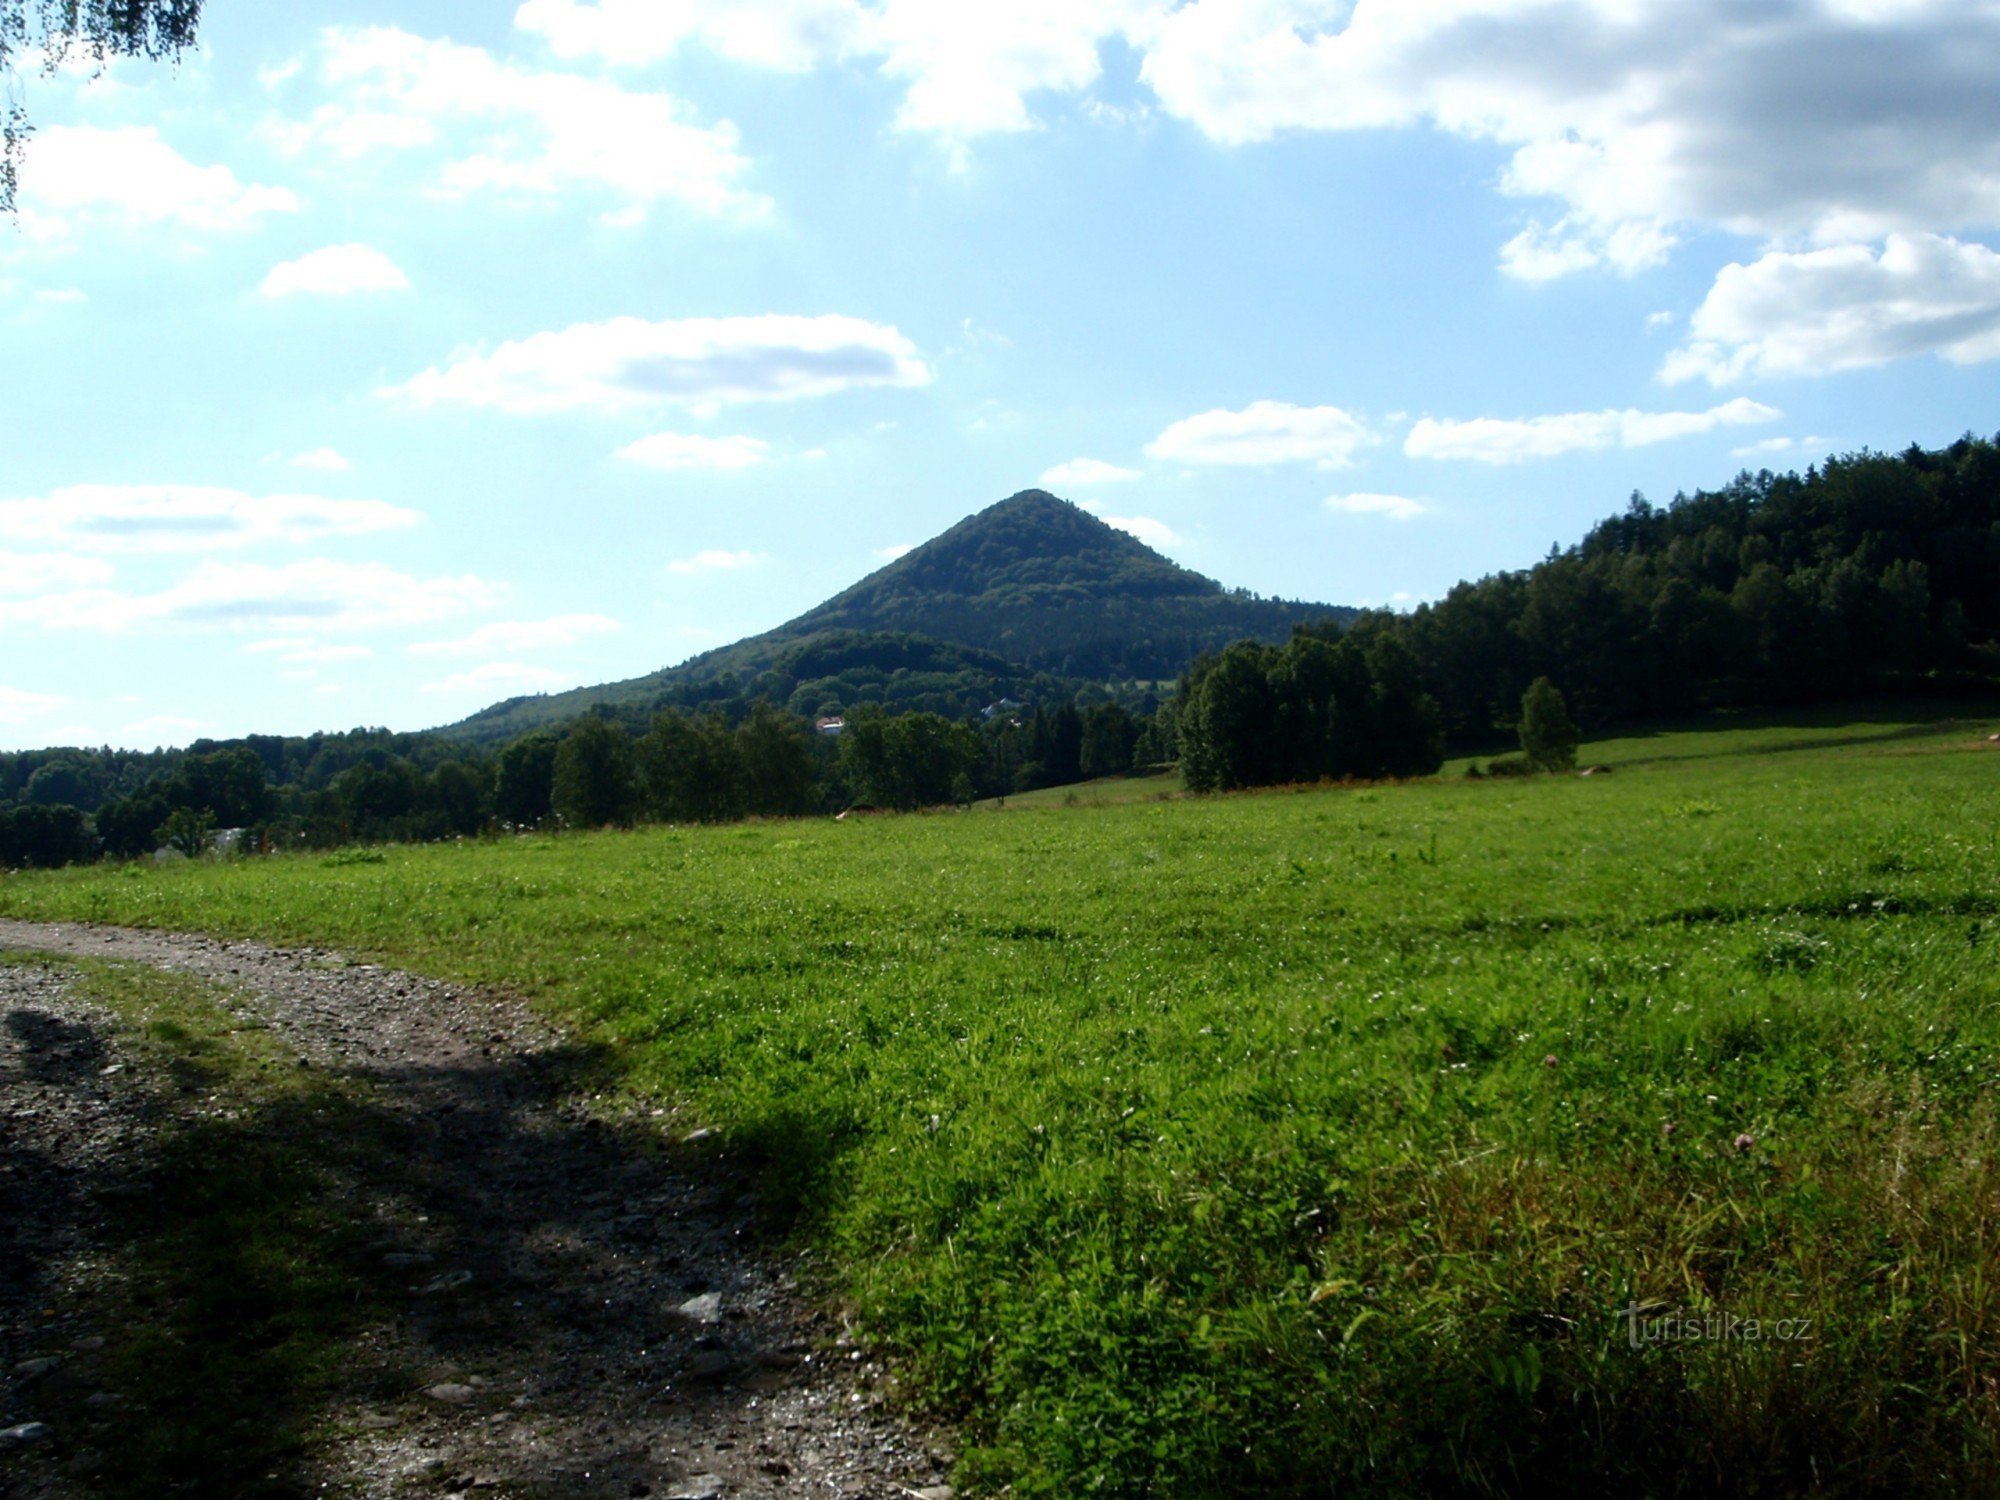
column 581, row 1305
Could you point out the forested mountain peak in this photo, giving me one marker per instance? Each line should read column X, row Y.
column 1033, row 580
column 1027, row 550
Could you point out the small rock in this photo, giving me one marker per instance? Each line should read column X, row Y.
column 934, row 1492
column 26, row 1435
column 711, row 1364
column 698, row 1487
column 89, row 1345
column 707, row 1308
column 31, row 1369
column 451, row 1281
column 400, row 1260
column 103, row 1399
column 697, row 1135
column 451, row 1392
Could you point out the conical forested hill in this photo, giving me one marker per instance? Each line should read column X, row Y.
column 1045, row 583
column 1027, row 590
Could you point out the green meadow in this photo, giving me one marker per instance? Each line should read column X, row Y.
column 1632, row 1133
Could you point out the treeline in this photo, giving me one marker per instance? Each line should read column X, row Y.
column 1327, row 706
column 1872, row 572
column 734, row 761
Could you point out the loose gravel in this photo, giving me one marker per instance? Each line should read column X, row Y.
column 592, row 1306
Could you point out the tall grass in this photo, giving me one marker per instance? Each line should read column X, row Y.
column 1395, row 1139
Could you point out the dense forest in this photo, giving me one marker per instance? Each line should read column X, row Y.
column 1870, row 573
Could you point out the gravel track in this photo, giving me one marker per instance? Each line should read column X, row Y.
column 590, row 1306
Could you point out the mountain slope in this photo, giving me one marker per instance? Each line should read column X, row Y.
column 1030, row 587
column 1047, row 584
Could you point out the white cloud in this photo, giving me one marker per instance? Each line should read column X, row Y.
column 714, row 559
column 630, row 363
column 19, row 707
column 969, row 69
column 900, row 549
column 1495, row 440
column 1631, row 120
column 322, row 461
column 319, row 595
column 336, row 271
column 1632, row 117
column 299, row 651
column 520, row 635
column 966, row 70
column 519, row 130
column 1363, row 503
column 1818, row 311
column 61, row 297
column 1087, row 471
column 1153, row 533
column 38, row 572
column 76, row 173
column 1265, row 432
column 1778, row 446
column 504, row 677
column 679, row 450
column 187, row 518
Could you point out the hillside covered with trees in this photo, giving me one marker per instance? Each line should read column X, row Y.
column 1031, row 597
column 1872, row 573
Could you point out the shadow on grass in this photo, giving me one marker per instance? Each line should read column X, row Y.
column 438, row 1266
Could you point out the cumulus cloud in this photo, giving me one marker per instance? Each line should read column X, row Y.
column 1153, row 533
column 504, row 677
column 899, row 549
column 518, row 129
column 1817, row 311
column 336, row 271
column 1777, row 447
column 1363, row 503
column 322, row 460
column 629, row 363
column 678, row 450
column 1087, row 471
column 1496, row 440
column 1633, row 117
column 19, row 707
column 38, row 572
column 520, row 635
column 303, row 651
column 966, row 70
column 714, row 559
column 72, row 174
column 187, row 518
column 1265, row 432
column 319, row 595
column 1628, row 119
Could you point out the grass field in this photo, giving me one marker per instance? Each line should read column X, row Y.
column 1324, row 1140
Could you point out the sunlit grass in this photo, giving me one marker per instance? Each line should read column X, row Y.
column 1278, row 1142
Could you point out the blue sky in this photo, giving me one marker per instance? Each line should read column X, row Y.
column 387, row 359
